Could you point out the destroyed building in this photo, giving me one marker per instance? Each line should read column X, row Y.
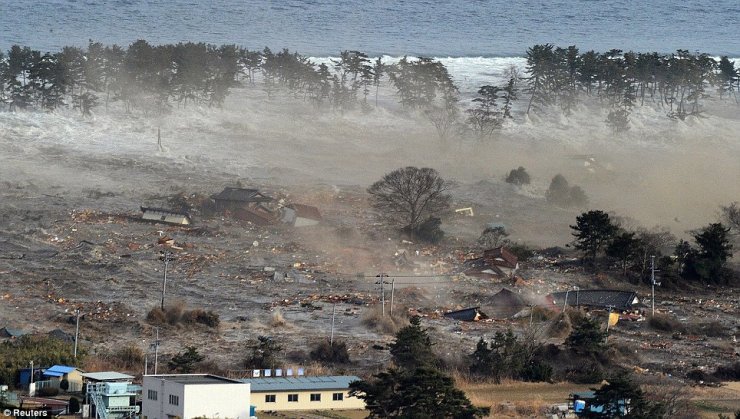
column 238, row 198
column 495, row 263
column 162, row 215
column 505, row 304
column 472, row 314
column 300, row 215
column 599, row 299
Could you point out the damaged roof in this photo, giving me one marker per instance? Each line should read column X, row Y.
column 501, row 256
column 472, row 314
column 616, row 299
column 164, row 211
column 241, row 195
column 305, row 211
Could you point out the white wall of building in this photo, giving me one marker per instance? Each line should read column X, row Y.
column 224, row 400
column 217, row 400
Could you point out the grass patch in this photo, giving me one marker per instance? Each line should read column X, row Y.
column 176, row 314
column 389, row 325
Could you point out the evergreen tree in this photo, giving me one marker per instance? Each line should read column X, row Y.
column 184, row 362
column 593, row 230
column 264, row 354
column 413, row 347
column 586, row 337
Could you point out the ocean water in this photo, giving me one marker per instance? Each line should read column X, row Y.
column 440, row 28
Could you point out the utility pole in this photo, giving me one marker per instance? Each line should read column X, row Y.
column 565, row 302
column 652, row 277
column 382, row 292
column 156, row 349
column 166, row 258
column 393, row 288
column 333, row 314
column 77, row 330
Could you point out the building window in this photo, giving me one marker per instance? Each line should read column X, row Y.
column 174, row 400
column 337, row 397
column 269, row 398
column 151, row 394
column 315, row 397
column 292, row 397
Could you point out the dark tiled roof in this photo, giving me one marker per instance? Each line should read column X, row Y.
column 618, row 300
column 500, row 256
column 241, row 195
column 467, row 314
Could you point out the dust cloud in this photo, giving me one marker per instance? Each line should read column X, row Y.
column 660, row 172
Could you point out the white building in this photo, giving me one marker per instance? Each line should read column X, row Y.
column 187, row 396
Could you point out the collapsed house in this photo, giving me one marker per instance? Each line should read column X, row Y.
column 472, row 314
column 245, row 205
column 162, row 215
column 495, row 263
column 300, row 215
column 598, row 299
column 236, row 198
column 505, row 304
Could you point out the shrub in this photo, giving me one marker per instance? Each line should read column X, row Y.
column 207, row 318
column 518, row 177
column 64, row 384
column 328, row 353
column 666, row 323
column 729, row 372
column 74, row 405
column 387, row 324
column 697, row 375
column 176, row 314
column 712, row 329
column 561, row 193
column 429, row 231
column 521, row 251
column 128, row 357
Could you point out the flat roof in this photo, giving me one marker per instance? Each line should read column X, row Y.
column 333, row 382
column 195, row 379
column 107, row 376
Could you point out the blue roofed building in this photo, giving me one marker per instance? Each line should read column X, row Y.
column 54, row 375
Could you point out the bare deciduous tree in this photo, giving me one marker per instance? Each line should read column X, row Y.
column 407, row 196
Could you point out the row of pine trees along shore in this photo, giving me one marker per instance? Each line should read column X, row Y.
column 153, row 79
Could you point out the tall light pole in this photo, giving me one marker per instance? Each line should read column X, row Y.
column 166, row 257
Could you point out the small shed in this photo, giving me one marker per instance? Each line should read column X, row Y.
column 162, row 215
column 57, row 373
